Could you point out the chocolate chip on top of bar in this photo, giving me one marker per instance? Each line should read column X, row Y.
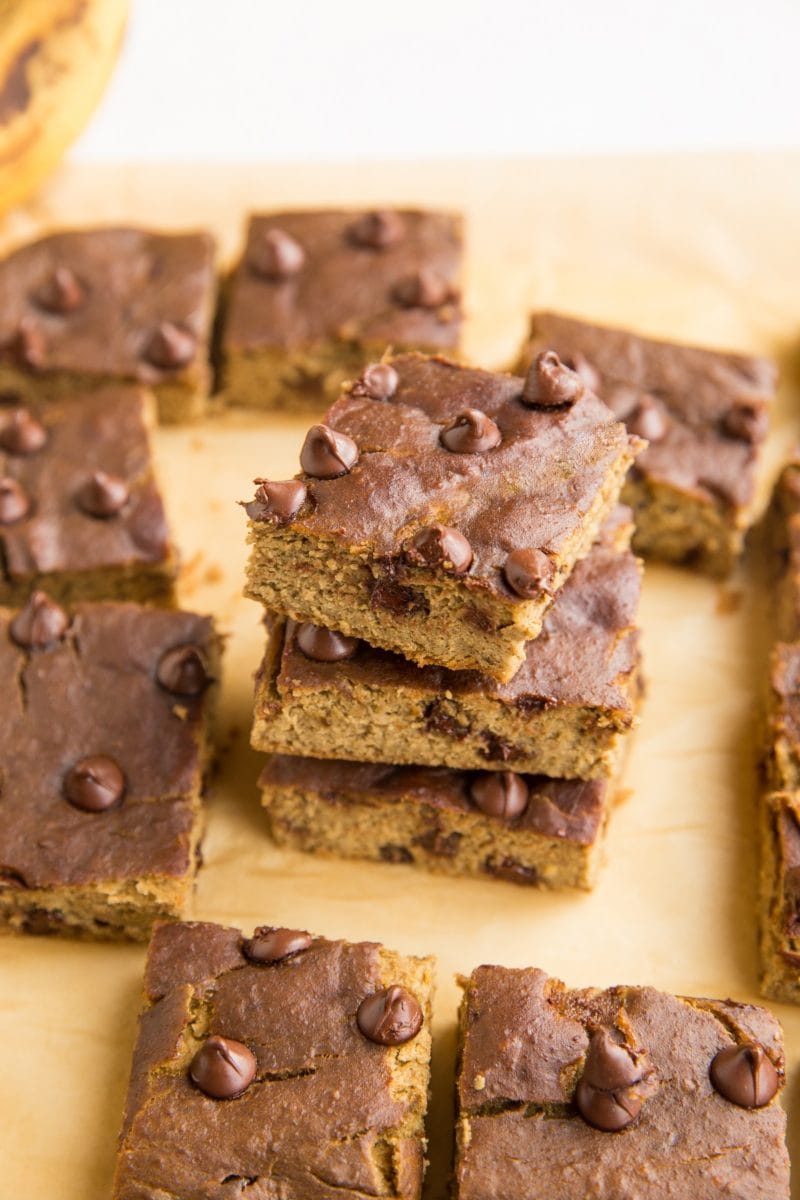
column 449, row 504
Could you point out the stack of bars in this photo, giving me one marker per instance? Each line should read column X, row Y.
column 452, row 665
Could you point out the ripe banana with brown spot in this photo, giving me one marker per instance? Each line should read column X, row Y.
column 56, row 57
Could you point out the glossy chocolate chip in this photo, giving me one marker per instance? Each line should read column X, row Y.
column 278, row 503
column 223, row 1068
column 94, row 784
column 327, row 454
column 378, row 381
column 500, row 794
column 377, row 230
column 745, row 1075
column 182, row 671
column 551, row 384
column 440, row 546
column 746, row 423
column 614, row 1085
column 22, row 433
column 14, row 501
column 40, row 624
column 103, row 495
column 324, row 645
column 472, row 432
column 528, row 572
column 170, row 347
column 390, row 1017
column 276, row 255
column 648, row 420
column 270, row 944
column 61, row 293
column 425, row 289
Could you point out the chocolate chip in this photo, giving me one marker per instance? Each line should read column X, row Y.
column 327, row 454
column 223, row 1068
column 396, row 598
column 379, row 229
column 745, row 1075
column 648, row 420
column 14, row 502
column 278, row 503
column 41, row 922
column 500, row 794
column 615, row 1083
column 440, row 546
column 390, row 1017
column 270, row 944
column 425, row 289
column 746, row 423
column 182, row 671
column 22, row 433
column 40, row 624
column 549, row 384
column 440, row 844
column 170, row 347
column 94, row 784
column 511, row 871
column 102, row 495
column 276, row 255
column 392, row 853
column 324, row 645
column 28, row 345
column 528, row 572
column 61, row 293
column 11, row 878
column 378, row 381
column 472, row 432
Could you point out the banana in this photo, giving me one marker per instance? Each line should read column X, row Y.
column 56, row 57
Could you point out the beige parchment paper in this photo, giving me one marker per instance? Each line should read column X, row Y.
column 702, row 248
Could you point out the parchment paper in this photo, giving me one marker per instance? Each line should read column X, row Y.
column 700, row 248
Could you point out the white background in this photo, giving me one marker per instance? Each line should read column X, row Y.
column 321, row 79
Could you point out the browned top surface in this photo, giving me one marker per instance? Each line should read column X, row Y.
column 569, row 809
column 585, row 654
column 694, row 390
column 524, row 1033
column 345, row 290
column 532, row 490
column 133, row 281
column 315, row 1119
column 95, row 693
column 108, row 431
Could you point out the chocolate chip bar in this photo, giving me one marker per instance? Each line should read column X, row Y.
column 103, row 746
column 440, row 509
column 624, row 1092
column 281, row 1065
column 81, row 516
column 779, row 815
column 525, row 829
column 317, row 294
column 565, row 713
column 87, row 307
column 704, row 414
